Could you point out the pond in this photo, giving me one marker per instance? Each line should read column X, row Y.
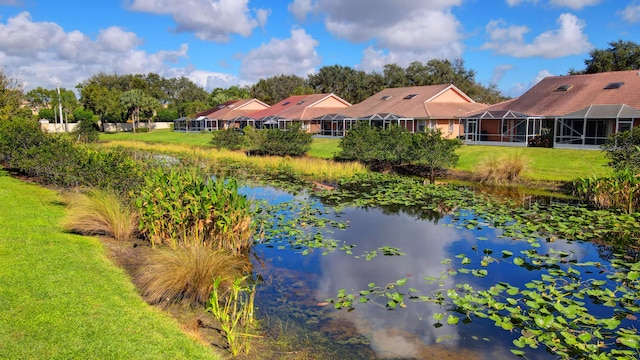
column 381, row 247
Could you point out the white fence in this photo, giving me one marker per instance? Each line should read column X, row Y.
column 108, row 127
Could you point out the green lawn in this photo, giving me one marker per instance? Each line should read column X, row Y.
column 544, row 164
column 61, row 298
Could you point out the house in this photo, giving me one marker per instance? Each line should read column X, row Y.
column 306, row 109
column 230, row 114
column 577, row 111
column 414, row 108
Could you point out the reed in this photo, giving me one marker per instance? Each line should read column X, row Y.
column 185, row 274
column 100, row 212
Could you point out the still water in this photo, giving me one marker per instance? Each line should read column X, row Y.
column 296, row 286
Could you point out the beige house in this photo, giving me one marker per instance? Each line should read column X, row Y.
column 307, row 109
column 577, row 111
column 232, row 113
column 414, row 108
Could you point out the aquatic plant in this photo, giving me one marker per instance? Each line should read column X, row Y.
column 183, row 274
column 100, row 212
column 234, row 310
column 182, row 205
column 620, row 191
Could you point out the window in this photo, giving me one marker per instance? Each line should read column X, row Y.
column 614, row 85
column 450, row 125
column 286, row 103
column 410, row 96
column 564, row 88
column 386, row 97
column 300, row 102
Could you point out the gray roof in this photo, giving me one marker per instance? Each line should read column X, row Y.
column 605, row 112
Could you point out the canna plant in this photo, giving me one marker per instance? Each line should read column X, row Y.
column 182, row 205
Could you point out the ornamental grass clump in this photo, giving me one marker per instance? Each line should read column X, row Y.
column 185, row 274
column 100, row 212
column 503, row 170
column 182, row 205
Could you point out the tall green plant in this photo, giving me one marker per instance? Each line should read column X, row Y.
column 183, row 205
column 620, row 191
column 234, row 310
column 623, row 149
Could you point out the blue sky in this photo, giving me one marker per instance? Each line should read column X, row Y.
column 219, row 43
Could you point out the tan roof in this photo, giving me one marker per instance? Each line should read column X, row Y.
column 233, row 108
column 304, row 107
column 560, row 95
column 422, row 102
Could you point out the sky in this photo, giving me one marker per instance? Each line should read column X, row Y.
column 220, row 43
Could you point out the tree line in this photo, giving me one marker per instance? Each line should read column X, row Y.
column 143, row 97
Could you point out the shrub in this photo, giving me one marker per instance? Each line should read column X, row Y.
column 184, row 205
column 395, row 146
column 185, row 273
column 229, row 138
column 292, row 141
column 506, row 169
column 100, row 212
column 623, row 149
column 544, row 140
column 253, row 138
column 87, row 131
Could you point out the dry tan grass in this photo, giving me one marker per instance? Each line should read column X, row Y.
column 502, row 170
column 307, row 167
column 100, row 212
column 186, row 274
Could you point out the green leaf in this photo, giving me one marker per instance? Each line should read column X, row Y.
column 452, row 320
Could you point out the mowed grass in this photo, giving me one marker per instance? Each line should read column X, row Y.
column 61, row 298
column 544, row 164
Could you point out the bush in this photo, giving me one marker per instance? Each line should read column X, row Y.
column 230, row 139
column 100, row 212
column 623, row 150
column 185, row 274
column 292, row 141
column 545, row 140
column 394, row 146
column 87, row 131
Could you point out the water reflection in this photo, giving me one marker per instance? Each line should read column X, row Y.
column 297, row 286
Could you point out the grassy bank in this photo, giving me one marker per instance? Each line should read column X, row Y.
column 552, row 165
column 61, row 298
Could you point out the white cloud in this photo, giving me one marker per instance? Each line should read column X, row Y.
column 499, row 71
column 572, row 4
column 295, row 55
column 569, row 39
column 208, row 19
column 402, row 30
column 631, row 13
column 520, row 88
column 301, row 8
column 43, row 54
column 10, row 2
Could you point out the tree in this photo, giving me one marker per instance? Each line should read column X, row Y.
column 39, row 98
column 435, row 152
column 220, row 95
column 149, row 106
column 11, row 94
column 623, row 150
column 87, row 129
column 346, row 82
column 277, row 88
column 621, row 55
column 292, row 141
column 394, row 76
column 132, row 101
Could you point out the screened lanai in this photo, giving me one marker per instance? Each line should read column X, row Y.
column 202, row 123
column 502, row 126
column 384, row 120
column 239, row 122
column 334, row 124
column 591, row 126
